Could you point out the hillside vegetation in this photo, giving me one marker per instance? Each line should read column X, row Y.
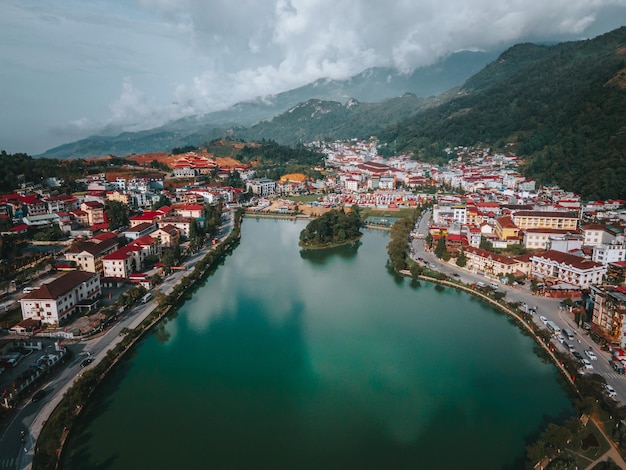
column 563, row 106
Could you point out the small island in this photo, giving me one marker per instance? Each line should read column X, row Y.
column 334, row 228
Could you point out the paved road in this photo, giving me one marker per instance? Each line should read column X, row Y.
column 30, row 417
column 546, row 307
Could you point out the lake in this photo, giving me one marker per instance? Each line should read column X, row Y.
column 322, row 359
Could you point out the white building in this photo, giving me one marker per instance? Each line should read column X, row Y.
column 557, row 267
column 609, row 253
column 55, row 302
column 261, row 187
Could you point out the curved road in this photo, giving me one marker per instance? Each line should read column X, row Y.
column 545, row 307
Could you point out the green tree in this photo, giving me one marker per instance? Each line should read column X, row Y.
column 161, row 202
column 117, row 214
column 461, row 260
column 440, row 249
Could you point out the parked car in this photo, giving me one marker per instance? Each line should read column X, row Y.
column 561, row 339
column 543, row 319
column 578, row 356
column 587, row 364
column 569, row 346
column 591, row 355
column 610, row 391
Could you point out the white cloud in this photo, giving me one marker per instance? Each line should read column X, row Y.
column 171, row 58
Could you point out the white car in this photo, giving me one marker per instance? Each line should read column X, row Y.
column 561, row 339
column 591, row 355
column 587, row 364
column 543, row 319
column 610, row 391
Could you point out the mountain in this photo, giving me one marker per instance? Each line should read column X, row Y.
column 562, row 106
column 372, row 85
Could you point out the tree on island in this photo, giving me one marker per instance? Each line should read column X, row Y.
column 335, row 227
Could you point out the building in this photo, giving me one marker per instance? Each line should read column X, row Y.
column 506, row 230
column 555, row 267
column 181, row 223
column 546, row 220
column 596, row 234
column 261, row 187
column 609, row 309
column 168, row 236
column 609, row 253
column 94, row 211
column 551, row 239
column 61, row 203
column 493, row 264
column 88, row 254
column 55, row 302
column 118, row 264
column 140, row 230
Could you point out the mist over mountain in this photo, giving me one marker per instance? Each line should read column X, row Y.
column 370, row 86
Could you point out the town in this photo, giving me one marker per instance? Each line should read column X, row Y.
column 120, row 238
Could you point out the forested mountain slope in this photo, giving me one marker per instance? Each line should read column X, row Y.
column 563, row 106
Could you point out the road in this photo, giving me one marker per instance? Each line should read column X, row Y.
column 30, row 417
column 546, row 307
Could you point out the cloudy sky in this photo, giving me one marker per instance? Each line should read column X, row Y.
column 72, row 68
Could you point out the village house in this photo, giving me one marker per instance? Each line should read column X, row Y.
column 55, row 302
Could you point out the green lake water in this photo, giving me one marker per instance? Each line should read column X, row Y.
column 284, row 359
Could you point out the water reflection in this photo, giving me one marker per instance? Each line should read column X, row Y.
column 321, row 257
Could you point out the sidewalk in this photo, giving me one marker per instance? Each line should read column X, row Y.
column 26, row 459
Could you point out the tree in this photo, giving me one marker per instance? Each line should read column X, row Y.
column 461, row 260
column 485, row 244
column 429, row 239
column 440, row 249
column 117, row 215
column 162, row 201
column 416, row 270
column 534, row 286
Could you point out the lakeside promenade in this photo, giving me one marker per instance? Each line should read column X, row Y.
column 98, row 347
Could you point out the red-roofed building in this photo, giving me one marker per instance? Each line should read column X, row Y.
column 493, row 264
column 55, row 302
column 147, row 216
column 61, row 203
column 33, row 205
column 189, row 210
column 555, row 267
column 95, row 212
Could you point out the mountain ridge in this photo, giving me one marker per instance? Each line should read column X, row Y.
column 371, row 85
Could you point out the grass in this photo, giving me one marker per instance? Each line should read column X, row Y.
column 592, row 452
column 11, row 317
column 303, row 199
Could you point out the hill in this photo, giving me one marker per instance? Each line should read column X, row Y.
column 372, row 85
column 562, row 106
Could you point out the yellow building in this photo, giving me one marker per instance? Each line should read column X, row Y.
column 545, row 219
